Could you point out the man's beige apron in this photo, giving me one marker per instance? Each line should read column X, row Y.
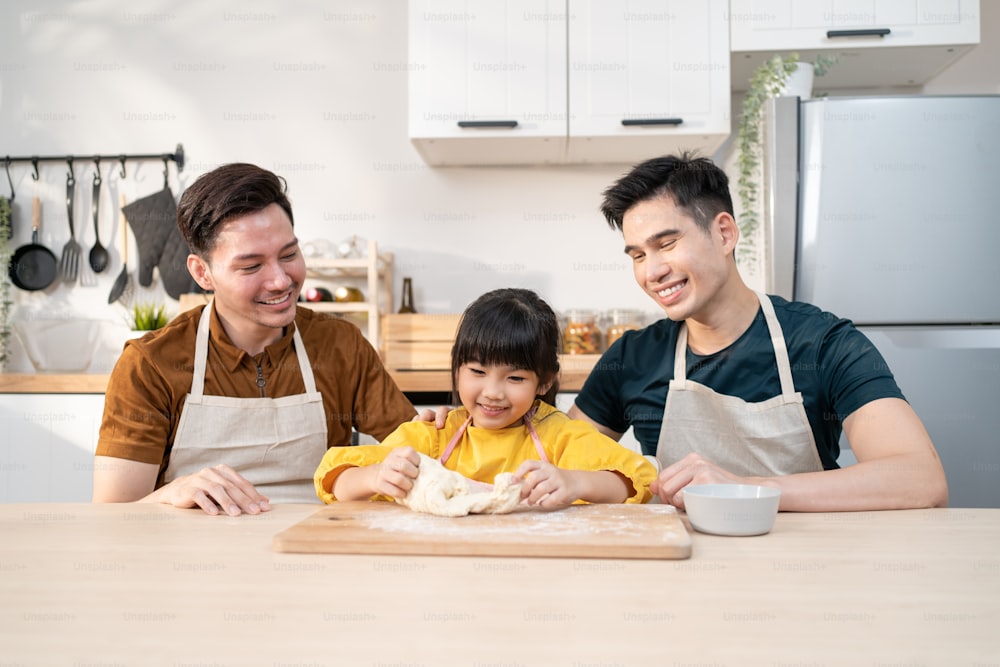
column 275, row 443
column 769, row 438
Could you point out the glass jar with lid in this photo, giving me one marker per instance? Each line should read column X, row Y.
column 620, row 320
column 581, row 333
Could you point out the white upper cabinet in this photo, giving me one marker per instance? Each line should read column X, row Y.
column 537, row 82
column 487, row 81
column 877, row 42
column 647, row 77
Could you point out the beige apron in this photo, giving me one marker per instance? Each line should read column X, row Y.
column 275, row 443
column 772, row 437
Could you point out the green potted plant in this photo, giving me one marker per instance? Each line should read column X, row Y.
column 147, row 316
column 5, row 298
column 768, row 80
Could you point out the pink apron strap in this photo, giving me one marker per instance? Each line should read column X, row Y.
column 461, row 431
column 454, row 440
column 534, row 435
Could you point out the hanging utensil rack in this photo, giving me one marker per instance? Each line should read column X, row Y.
column 177, row 156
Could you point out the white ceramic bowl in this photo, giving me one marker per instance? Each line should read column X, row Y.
column 731, row 509
column 58, row 345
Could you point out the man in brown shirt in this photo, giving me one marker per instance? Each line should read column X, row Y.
column 233, row 405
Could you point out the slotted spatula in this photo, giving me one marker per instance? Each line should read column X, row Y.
column 122, row 282
column 69, row 263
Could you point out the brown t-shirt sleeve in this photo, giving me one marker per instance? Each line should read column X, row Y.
column 380, row 407
column 136, row 422
column 349, row 372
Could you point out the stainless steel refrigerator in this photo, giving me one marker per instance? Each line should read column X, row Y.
column 884, row 210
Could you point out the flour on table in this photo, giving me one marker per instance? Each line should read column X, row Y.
column 444, row 492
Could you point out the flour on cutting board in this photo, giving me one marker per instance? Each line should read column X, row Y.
column 569, row 521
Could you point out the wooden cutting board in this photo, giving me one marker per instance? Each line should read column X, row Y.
column 579, row 531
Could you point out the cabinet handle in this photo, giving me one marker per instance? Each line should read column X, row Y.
column 629, row 122
column 487, row 123
column 866, row 32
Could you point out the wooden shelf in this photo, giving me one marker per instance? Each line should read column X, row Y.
column 338, row 307
column 375, row 269
column 416, row 350
column 325, row 266
column 574, row 371
column 52, row 383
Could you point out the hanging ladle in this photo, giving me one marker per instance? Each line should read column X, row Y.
column 98, row 254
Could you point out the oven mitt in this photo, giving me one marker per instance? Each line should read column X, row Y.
column 153, row 220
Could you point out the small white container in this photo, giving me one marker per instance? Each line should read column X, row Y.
column 731, row 509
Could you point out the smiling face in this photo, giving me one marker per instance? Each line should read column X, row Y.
column 256, row 270
column 679, row 264
column 497, row 396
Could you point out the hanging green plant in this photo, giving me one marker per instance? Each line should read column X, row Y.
column 768, row 80
column 5, row 284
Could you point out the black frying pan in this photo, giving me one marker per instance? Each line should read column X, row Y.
column 33, row 266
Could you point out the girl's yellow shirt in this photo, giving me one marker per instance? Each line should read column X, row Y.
column 482, row 453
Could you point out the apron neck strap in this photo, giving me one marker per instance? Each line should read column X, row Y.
column 201, row 351
column 454, row 440
column 465, row 425
column 201, row 355
column 680, row 354
column 777, row 341
column 304, row 366
column 534, row 434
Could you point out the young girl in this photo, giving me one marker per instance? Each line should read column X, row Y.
column 505, row 369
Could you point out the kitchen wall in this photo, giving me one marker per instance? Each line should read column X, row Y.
column 317, row 92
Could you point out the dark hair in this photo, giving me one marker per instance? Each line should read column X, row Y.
column 222, row 194
column 697, row 186
column 513, row 327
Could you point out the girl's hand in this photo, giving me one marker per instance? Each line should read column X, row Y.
column 395, row 475
column 547, row 486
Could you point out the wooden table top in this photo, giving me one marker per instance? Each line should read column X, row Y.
column 149, row 584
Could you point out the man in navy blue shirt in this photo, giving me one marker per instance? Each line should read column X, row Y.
column 737, row 386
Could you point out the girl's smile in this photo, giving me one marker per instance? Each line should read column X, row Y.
column 497, row 396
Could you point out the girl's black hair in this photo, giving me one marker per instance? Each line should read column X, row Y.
column 512, row 327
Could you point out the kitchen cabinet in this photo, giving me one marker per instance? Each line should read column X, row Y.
column 647, row 78
column 572, row 81
column 878, row 43
column 488, row 81
column 48, row 446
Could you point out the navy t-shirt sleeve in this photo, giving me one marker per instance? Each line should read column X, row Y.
column 857, row 371
column 600, row 398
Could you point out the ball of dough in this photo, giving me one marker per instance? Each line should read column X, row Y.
column 444, row 492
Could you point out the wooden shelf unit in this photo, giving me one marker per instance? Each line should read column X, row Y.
column 416, row 350
column 374, row 269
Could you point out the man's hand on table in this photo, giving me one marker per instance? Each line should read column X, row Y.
column 213, row 489
column 692, row 469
